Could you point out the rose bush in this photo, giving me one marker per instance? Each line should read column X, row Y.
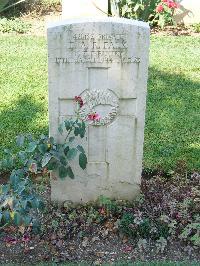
column 156, row 12
column 164, row 12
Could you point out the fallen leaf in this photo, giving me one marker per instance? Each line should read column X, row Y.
column 127, row 249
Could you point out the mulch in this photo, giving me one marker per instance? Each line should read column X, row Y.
column 71, row 234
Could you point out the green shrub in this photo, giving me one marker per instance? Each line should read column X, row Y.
column 135, row 226
column 18, row 199
column 36, row 157
column 196, row 27
column 138, row 9
column 156, row 12
column 14, row 25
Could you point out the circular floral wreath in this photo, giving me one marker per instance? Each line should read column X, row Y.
column 90, row 99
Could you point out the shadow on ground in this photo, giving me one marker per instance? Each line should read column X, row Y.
column 22, row 116
column 172, row 121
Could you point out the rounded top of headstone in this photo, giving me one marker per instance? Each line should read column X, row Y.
column 97, row 20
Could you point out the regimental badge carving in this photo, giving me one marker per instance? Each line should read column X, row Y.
column 103, row 99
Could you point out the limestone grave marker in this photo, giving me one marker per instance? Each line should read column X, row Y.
column 106, row 63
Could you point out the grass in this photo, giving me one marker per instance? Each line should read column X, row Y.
column 172, row 122
column 172, row 119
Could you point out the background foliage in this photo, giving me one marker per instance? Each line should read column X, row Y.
column 172, row 120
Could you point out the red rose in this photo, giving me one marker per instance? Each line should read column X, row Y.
column 79, row 100
column 172, row 4
column 159, row 8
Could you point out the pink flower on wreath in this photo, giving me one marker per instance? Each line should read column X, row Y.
column 159, row 8
column 94, row 117
column 79, row 100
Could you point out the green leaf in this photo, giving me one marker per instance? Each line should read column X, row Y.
column 71, row 154
column 37, row 204
column 80, row 148
column 63, row 160
column 71, row 139
column 24, row 204
column 27, row 220
column 82, row 133
column 6, row 216
column 17, row 218
column 53, row 164
column 47, row 157
column 20, row 140
column 63, row 172
column 43, row 137
column 51, row 140
column 5, row 188
column 36, row 226
column 23, row 157
column 137, row 6
column 67, row 125
column 31, row 146
column 76, row 131
column 70, row 172
column 40, row 205
column 60, row 128
column 82, row 160
column 83, row 129
column 43, row 148
column 66, row 150
column 7, row 151
column 14, row 179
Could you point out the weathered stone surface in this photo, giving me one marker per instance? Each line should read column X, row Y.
column 106, row 63
column 84, row 8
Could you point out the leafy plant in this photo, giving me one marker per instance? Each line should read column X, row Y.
column 37, row 156
column 44, row 154
column 196, row 27
column 138, row 9
column 14, row 25
column 165, row 12
column 17, row 199
column 192, row 232
column 110, row 206
column 161, row 244
column 135, row 226
column 156, row 12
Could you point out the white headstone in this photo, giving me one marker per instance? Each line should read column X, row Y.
column 106, row 63
column 84, row 8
